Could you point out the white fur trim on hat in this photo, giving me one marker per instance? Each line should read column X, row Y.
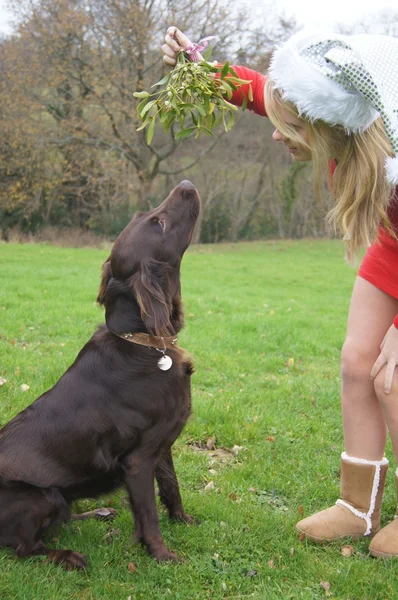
column 315, row 95
column 392, row 170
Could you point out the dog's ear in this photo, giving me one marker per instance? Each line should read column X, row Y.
column 177, row 315
column 148, row 286
column 106, row 276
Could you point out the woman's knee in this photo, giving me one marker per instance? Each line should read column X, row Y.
column 356, row 362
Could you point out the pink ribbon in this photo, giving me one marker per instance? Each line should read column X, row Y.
column 194, row 49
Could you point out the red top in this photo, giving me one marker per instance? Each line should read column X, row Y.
column 257, row 84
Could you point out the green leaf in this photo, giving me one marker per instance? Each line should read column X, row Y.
column 207, row 53
column 150, row 132
column 225, row 70
column 147, row 107
column 140, row 94
column 141, row 106
column 200, row 110
column 144, row 124
column 184, row 133
column 230, row 106
column 244, row 103
column 227, row 89
column 164, row 80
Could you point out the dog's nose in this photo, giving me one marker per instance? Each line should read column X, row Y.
column 188, row 189
column 187, row 185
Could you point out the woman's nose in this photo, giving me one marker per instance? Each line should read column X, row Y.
column 277, row 136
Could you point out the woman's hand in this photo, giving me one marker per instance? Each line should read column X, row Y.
column 388, row 356
column 175, row 42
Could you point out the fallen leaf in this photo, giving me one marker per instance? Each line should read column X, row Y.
column 271, row 564
column 272, row 312
column 325, row 585
column 236, row 449
column 209, row 486
column 251, row 573
column 2, row 381
column 24, row 387
column 252, row 490
column 111, row 533
column 132, row 567
column 270, row 438
column 233, row 496
column 290, row 362
column 211, row 443
column 301, row 537
column 291, row 551
column 300, row 510
column 347, row 551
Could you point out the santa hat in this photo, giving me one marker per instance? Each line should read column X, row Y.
column 342, row 80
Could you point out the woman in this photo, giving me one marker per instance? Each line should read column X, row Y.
column 334, row 100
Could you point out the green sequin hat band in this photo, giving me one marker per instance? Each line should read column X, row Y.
column 342, row 80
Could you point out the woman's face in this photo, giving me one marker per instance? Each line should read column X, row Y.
column 298, row 152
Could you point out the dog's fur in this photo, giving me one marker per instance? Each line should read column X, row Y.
column 112, row 418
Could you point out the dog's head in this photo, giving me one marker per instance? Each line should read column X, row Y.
column 140, row 285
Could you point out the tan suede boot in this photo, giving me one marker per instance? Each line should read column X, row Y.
column 357, row 513
column 385, row 543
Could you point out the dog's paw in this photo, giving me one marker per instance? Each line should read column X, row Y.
column 166, row 555
column 185, row 518
column 74, row 560
column 68, row 559
column 105, row 514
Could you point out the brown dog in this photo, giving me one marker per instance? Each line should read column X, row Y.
column 112, row 418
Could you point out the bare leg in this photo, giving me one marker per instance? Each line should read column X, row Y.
column 363, row 468
column 168, row 489
column 389, row 403
column 371, row 314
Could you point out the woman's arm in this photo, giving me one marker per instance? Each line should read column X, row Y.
column 257, row 84
column 175, row 40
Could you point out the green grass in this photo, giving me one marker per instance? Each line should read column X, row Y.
column 265, row 323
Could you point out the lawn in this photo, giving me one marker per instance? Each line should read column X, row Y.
column 265, row 324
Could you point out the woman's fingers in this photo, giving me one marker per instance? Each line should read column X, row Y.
column 379, row 364
column 389, row 374
column 177, row 37
column 172, row 44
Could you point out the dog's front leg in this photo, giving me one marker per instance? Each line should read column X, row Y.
column 169, row 491
column 140, row 483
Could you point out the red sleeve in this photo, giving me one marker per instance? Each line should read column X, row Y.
column 257, row 84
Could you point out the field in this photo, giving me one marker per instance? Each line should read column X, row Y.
column 265, row 323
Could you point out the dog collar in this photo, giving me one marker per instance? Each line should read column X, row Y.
column 159, row 343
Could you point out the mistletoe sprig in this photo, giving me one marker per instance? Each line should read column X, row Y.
column 194, row 96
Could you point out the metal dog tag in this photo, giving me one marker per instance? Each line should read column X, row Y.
column 165, row 363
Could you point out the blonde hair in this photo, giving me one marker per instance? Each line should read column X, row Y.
column 359, row 185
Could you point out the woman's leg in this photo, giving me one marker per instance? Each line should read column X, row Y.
column 371, row 314
column 389, row 405
column 363, row 469
column 385, row 543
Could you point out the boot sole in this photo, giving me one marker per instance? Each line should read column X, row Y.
column 378, row 554
column 312, row 538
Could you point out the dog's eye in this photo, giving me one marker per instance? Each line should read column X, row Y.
column 160, row 222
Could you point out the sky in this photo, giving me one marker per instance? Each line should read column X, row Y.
column 309, row 13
